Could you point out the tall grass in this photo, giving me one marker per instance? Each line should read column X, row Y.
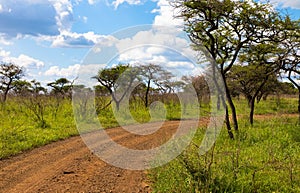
column 21, row 129
column 28, row 122
column 264, row 157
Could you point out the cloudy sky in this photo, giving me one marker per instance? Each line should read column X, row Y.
column 51, row 38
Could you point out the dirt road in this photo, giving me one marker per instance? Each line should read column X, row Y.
column 69, row 166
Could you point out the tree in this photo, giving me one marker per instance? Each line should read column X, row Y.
column 62, row 87
column 9, row 73
column 101, row 90
column 117, row 80
column 37, row 88
column 37, row 102
column 21, row 87
column 25, row 88
column 150, row 72
column 200, row 85
column 224, row 28
column 291, row 57
column 250, row 80
column 164, row 82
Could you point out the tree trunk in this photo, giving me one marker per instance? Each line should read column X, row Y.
column 299, row 103
column 227, row 121
column 221, row 100
column 252, row 104
column 231, row 104
column 147, row 93
column 118, row 105
column 252, row 100
column 5, row 94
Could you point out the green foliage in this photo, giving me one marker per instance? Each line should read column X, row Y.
column 9, row 73
column 274, row 105
column 263, row 158
column 21, row 129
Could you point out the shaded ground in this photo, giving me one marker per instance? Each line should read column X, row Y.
column 69, row 166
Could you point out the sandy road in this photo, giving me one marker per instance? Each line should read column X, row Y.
column 69, row 166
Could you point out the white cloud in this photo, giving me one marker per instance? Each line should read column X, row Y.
column 4, row 54
column 64, row 14
column 116, row 3
column 166, row 14
column 287, row 3
column 22, row 60
column 5, row 42
column 144, row 45
column 35, row 17
column 86, row 72
column 92, row 2
column 180, row 64
column 69, row 72
column 70, row 39
column 27, row 17
column 85, row 19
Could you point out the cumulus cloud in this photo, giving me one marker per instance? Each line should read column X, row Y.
column 64, row 14
column 167, row 47
column 166, row 14
column 5, row 42
column 92, row 2
column 35, row 17
column 155, row 42
column 68, row 72
column 70, row 39
column 287, row 3
column 116, row 3
column 86, row 72
column 22, row 60
column 180, row 64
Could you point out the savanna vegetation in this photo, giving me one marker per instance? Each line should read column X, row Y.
column 254, row 45
column 256, row 51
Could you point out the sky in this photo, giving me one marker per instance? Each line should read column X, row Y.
column 56, row 38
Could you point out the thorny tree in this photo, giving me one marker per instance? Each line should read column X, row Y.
column 224, row 28
column 9, row 73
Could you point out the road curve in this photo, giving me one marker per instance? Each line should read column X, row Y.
column 69, row 166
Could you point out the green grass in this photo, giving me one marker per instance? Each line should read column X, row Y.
column 264, row 157
column 20, row 129
column 273, row 105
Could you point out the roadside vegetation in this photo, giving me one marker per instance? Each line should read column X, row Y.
column 262, row 158
column 256, row 50
column 254, row 45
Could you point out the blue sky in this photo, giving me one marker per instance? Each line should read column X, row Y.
column 51, row 38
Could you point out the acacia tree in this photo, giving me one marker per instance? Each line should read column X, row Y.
column 117, row 80
column 9, row 73
column 36, row 101
column 61, row 86
column 21, row 87
column 150, row 72
column 290, row 62
column 250, row 81
column 224, row 28
column 200, row 85
column 164, row 82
